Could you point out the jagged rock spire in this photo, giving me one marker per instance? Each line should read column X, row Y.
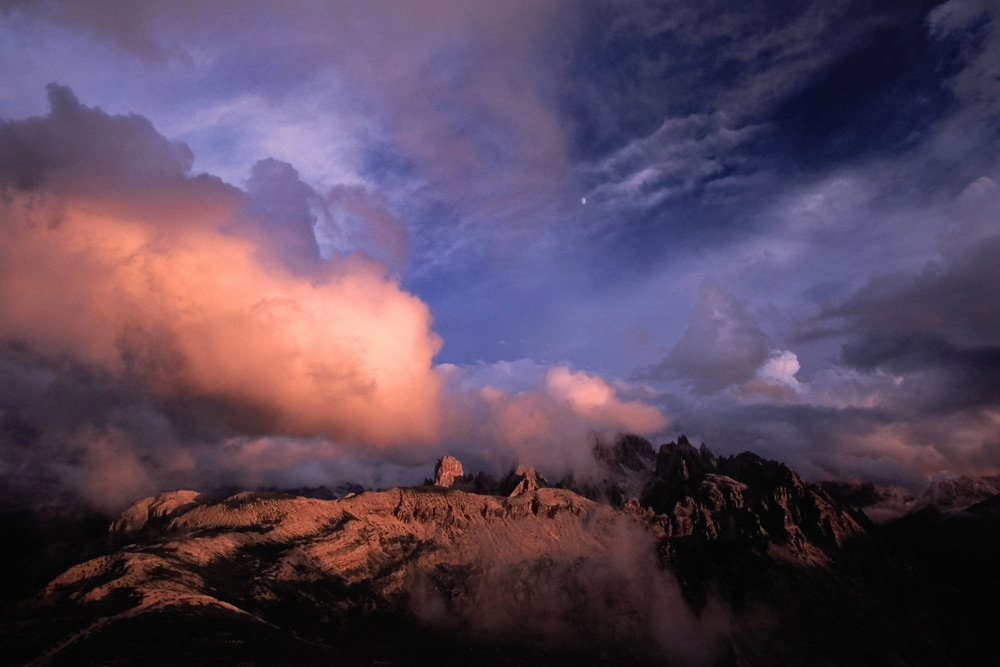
column 523, row 479
column 446, row 471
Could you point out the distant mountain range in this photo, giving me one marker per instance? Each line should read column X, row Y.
column 671, row 556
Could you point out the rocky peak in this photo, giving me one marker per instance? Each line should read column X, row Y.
column 677, row 461
column 323, row 581
column 878, row 503
column 154, row 511
column 748, row 498
column 522, row 480
column 446, row 471
column 630, row 452
column 759, row 472
column 954, row 495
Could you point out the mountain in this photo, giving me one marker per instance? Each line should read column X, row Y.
column 879, row 503
column 958, row 493
column 671, row 557
column 886, row 503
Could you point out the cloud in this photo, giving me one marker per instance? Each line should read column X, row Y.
column 278, row 200
column 114, row 256
column 931, row 328
column 592, row 399
column 544, row 417
column 682, row 155
column 912, row 389
column 611, row 597
column 946, row 298
column 442, row 149
column 160, row 328
column 79, row 149
column 111, row 473
column 974, row 23
column 359, row 219
column 465, row 93
column 721, row 346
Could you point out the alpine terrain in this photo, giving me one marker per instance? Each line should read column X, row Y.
column 668, row 557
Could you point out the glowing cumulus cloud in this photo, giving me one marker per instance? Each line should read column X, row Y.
column 346, row 353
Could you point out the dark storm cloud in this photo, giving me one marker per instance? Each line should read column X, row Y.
column 87, row 147
column 937, row 330
column 948, row 298
column 721, row 346
column 954, row 377
column 819, row 441
column 941, row 320
column 915, row 388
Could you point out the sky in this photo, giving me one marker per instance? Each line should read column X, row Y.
column 299, row 242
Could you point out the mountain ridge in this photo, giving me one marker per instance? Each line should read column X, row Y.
column 677, row 557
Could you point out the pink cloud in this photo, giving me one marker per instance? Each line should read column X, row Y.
column 113, row 256
column 346, row 353
column 547, row 425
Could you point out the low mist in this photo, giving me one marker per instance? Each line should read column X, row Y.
column 619, row 602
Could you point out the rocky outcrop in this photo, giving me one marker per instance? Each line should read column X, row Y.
column 630, row 452
column 748, row 499
column 154, row 512
column 446, row 471
column 678, row 461
column 522, row 480
column 956, row 494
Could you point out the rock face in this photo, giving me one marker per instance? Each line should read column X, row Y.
column 955, row 495
column 748, row 499
column 743, row 498
column 522, row 480
column 446, row 471
column 154, row 511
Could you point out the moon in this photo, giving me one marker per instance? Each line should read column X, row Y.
column 583, row 200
